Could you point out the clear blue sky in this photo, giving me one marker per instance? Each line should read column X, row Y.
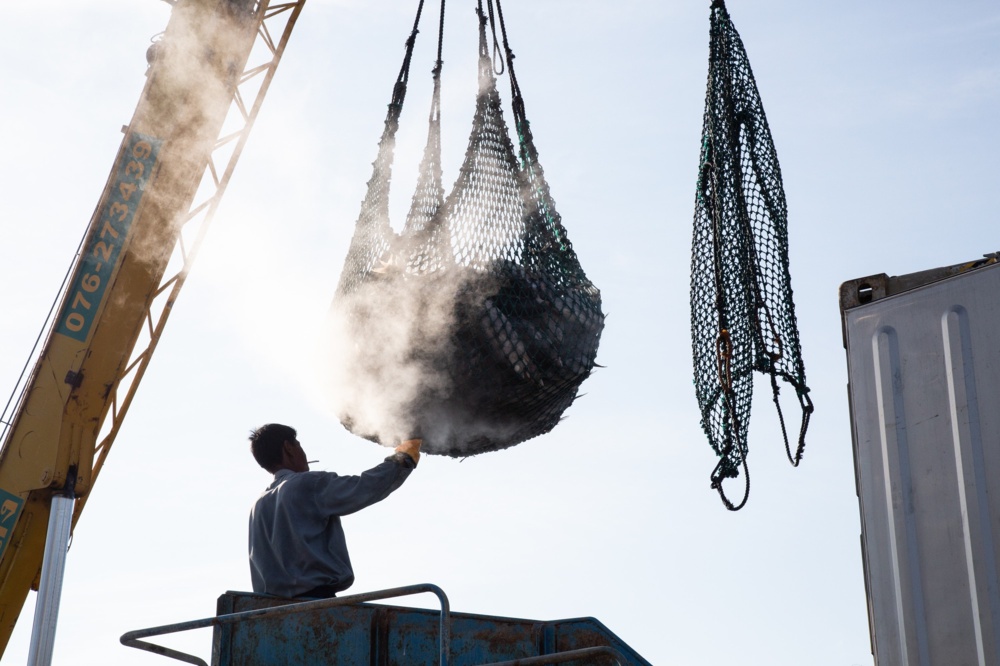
column 884, row 117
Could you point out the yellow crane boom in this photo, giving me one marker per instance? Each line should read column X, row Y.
column 192, row 120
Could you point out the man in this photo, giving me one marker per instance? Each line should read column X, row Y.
column 297, row 545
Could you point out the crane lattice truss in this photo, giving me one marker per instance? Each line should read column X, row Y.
column 279, row 19
column 170, row 174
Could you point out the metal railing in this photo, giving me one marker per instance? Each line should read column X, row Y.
column 133, row 638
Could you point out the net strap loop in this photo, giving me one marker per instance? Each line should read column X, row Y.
column 498, row 58
column 727, row 470
column 517, row 101
column 805, row 402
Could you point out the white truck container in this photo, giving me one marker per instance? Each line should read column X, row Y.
column 923, row 354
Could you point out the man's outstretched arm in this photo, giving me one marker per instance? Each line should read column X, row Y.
column 343, row 495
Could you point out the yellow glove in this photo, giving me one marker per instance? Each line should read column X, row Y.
column 411, row 447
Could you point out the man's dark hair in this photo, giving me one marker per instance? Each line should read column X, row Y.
column 266, row 443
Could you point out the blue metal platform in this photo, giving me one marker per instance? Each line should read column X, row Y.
column 366, row 634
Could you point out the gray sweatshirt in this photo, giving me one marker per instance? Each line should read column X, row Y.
column 296, row 539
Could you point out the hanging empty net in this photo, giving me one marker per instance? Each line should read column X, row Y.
column 474, row 326
column 742, row 315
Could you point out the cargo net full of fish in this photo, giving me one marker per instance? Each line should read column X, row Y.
column 474, row 326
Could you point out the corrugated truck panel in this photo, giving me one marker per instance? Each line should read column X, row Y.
column 924, row 385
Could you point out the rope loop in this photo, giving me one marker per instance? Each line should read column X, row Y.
column 727, row 470
column 517, row 102
column 498, row 62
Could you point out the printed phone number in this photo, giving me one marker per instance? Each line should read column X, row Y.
column 84, row 298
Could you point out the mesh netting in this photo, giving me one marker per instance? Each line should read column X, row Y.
column 475, row 325
column 742, row 315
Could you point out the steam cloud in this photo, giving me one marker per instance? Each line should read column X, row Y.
column 394, row 338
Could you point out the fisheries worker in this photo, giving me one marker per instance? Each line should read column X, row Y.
column 297, row 544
